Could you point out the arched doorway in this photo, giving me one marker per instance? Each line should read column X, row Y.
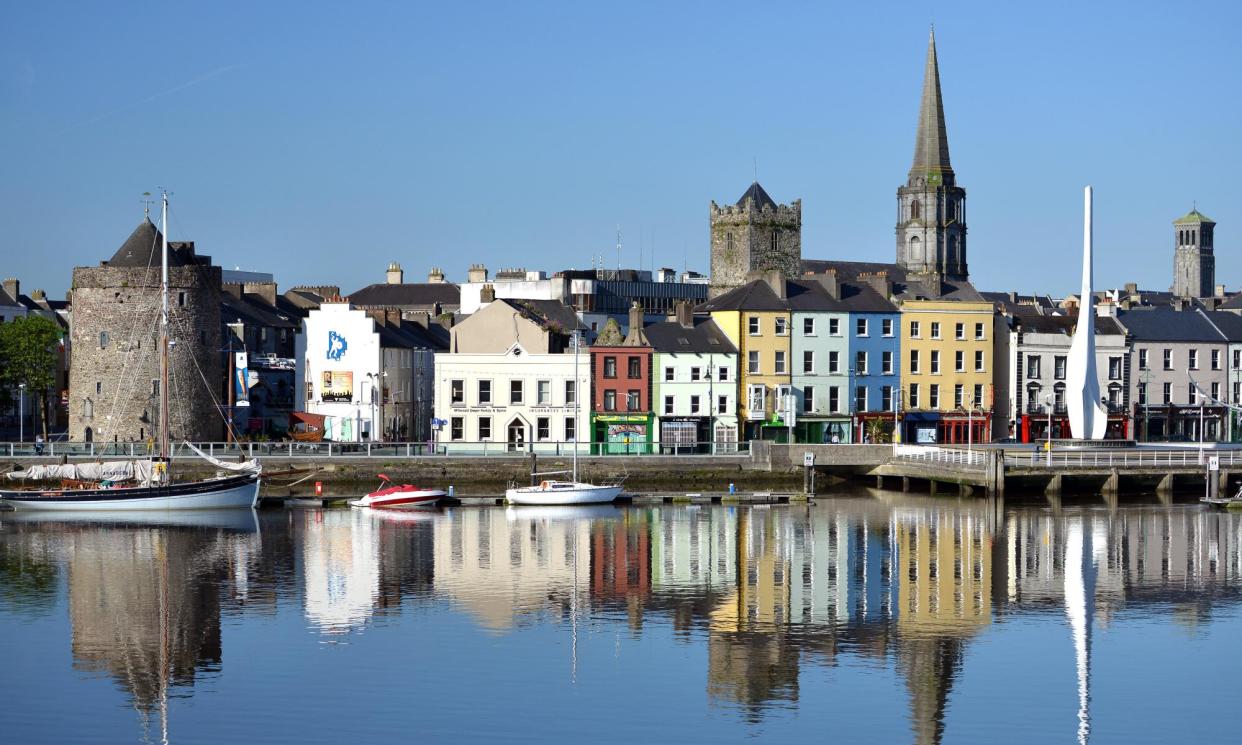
column 515, row 434
column 88, row 435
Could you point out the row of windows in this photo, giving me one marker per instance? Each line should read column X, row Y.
column 959, row 330
column 1192, row 393
column 757, row 394
column 862, row 326
column 483, row 430
column 1034, row 365
column 962, row 398
column 959, row 361
column 1192, row 359
column 698, row 373
column 633, row 400
column 634, row 367
column 696, row 404
column 517, row 392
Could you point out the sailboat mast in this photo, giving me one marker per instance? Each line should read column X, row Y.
column 163, row 444
column 577, row 403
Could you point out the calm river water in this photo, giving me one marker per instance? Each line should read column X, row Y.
column 874, row 617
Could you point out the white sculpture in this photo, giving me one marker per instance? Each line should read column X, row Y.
column 1087, row 415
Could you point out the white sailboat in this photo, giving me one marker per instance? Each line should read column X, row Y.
column 141, row 485
column 558, row 492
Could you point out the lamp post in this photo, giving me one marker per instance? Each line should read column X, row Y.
column 1048, row 400
column 896, row 415
column 21, row 412
column 1199, row 395
column 1146, row 376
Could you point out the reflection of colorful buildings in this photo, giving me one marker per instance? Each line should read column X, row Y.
column 340, row 568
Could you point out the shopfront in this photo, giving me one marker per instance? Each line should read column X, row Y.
column 622, row 434
column 1173, row 423
column 920, row 427
column 959, row 429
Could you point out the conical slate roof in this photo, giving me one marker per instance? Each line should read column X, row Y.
column 142, row 249
column 931, row 143
column 757, row 195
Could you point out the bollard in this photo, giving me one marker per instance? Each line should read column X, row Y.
column 451, row 490
column 318, row 488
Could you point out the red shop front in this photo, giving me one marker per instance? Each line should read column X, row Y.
column 1034, row 427
column 957, row 428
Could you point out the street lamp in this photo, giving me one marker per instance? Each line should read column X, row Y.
column 1201, row 398
column 896, row 415
column 969, row 404
column 1048, row 400
column 21, row 412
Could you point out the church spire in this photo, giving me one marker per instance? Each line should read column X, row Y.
column 931, row 144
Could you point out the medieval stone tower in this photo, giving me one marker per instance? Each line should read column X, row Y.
column 115, row 368
column 931, row 207
column 1194, row 260
column 756, row 234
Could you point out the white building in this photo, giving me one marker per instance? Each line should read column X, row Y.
column 370, row 374
column 694, row 382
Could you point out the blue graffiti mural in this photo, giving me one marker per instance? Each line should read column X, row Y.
column 336, row 346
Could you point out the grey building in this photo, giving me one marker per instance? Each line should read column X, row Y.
column 1178, row 360
column 1194, row 259
column 931, row 207
column 756, row 234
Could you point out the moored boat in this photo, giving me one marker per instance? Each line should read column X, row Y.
column 563, row 493
column 399, row 496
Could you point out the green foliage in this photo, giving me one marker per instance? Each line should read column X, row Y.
column 28, row 355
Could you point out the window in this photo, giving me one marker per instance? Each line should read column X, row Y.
column 1142, row 393
column 181, row 301
column 860, row 363
column 98, row 387
column 457, row 428
column 610, row 400
column 669, row 375
column 834, row 326
column 933, row 396
column 1237, row 393
column 696, row 373
column 886, row 398
column 1058, row 367
column 977, row 394
column 752, row 362
column 958, row 391
column 834, row 398
column 780, row 363
column 834, row 362
column 914, row 329
column 886, row 327
column 808, row 398
column 571, row 392
column 1114, row 368
column 722, row 404
column 1143, row 359
column 979, row 363
column 860, row 398
column 959, row 331
column 515, row 392
column 1168, row 393
column 571, row 429
column 669, row 404
column 694, row 404
column 808, row 327
column 1216, row 391
column 886, row 363
column 610, row 367
column 543, row 392
column 1192, row 394
column 808, row 362
column 103, row 343
column 980, row 333
column 155, row 387
column 756, row 398
column 635, row 370
column 752, row 325
column 457, row 391
column 782, row 326
column 1168, row 359
column 633, row 401
column 1215, row 359
column 935, row 362
column 959, row 361
column 722, row 374
column 1192, row 359
column 543, row 428
column 914, row 361
column 860, row 327
column 912, row 397
column 485, row 428
column 485, row 393
column 1237, row 358
column 935, row 330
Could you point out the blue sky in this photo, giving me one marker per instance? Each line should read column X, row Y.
column 320, row 141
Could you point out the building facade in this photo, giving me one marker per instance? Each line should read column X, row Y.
column 694, row 388
column 947, row 356
column 754, row 235
column 621, row 409
column 1194, row 257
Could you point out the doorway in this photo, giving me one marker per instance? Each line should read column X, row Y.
column 516, row 435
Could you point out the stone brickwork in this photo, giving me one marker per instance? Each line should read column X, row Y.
column 115, row 327
column 755, row 234
column 1194, row 256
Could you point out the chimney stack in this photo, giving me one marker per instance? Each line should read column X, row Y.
column 476, row 273
column 879, row 282
column 487, row 295
column 395, row 276
column 265, row 290
column 1220, row 291
column 635, row 337
column 776, row 280
column 435, row 277
column 13, row 287
column 684, row 314
column 1131, row 288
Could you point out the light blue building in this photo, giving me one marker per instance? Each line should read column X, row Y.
column 875, row 357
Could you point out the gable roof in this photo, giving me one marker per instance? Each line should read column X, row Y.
column 551, row 315
column 1166, row 324
column 905, row 286
column 704, row 337
column 754, row 295
column 413, row 295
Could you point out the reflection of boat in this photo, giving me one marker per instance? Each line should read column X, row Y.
column 239, row 519
column 402, row 516
column 399, row 496
column 538, row 512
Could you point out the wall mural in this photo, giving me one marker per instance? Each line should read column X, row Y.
column 336, row 346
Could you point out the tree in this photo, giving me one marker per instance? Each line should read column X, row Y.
column 29, row 355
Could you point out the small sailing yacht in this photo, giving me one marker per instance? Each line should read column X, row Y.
column 554, row 492
column 106, row 486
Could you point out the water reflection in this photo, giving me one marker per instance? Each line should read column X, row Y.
column 885, row 580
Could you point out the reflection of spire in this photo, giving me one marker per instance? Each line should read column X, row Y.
column 929, row 664
column 1080, row 571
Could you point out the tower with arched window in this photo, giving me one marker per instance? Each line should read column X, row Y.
column 931, row 207
column 756, row 234
column 1194, row 260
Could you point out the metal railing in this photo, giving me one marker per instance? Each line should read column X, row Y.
column 1136, row 458
column 122, row 450
column 936, row 454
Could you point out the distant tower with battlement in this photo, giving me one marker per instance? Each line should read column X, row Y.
column 931, row 207
column 756, row 234
column 1194, row 258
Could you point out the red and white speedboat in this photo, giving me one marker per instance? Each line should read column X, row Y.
column 399, row 496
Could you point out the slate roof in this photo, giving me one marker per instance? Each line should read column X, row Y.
column 1037, row 323
column 413, row 336
column 1166, row 324
column 410, row 296
column 1015, row 302
column 1233, row 303
column 802, row 294
column 252, row 311
column 1194, row 216
column 142, row 249
column 757, row 195
column 931, row 143
column 905, row 287
column 705, row 337
column 6, row 299
column 754, row 295
column 547, row 313
column 1230, row 324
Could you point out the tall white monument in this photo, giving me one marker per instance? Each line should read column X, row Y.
column 1087, row 415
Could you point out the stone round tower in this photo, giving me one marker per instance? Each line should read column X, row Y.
column 115, row 368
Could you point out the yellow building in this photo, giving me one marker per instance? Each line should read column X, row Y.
column 948, row 364
column 757, row 319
